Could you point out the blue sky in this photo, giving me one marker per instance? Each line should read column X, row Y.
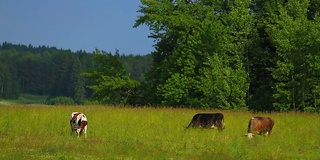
column 75, row 24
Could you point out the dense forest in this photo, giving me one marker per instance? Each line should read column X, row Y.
column 56, row 72
column 261, row 55
column 233, row 54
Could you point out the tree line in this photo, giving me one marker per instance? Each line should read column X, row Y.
column 56, row 72
column 261, row 55
column 233, row 54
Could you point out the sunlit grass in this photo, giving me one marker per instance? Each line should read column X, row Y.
column 43, row 132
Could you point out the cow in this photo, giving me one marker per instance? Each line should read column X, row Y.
column 78, row 123
column 260, row 125
column 207, row 120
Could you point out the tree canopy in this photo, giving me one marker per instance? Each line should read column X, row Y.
column 58, row 73
column 234, row 54
column 109, row 81
column 261, row 55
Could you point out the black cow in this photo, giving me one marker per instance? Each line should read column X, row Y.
column 207, row 120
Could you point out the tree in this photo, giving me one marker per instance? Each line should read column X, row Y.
column 297, row 69
column 261, row 56
column 108, row 79
column 136, row 65
column 189, row 35
column 77, row 82
column 9, row 82
column 60, row 74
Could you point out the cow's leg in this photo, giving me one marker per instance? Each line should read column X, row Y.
column 78, row 132
column 196, row 124
column 85, row 131
column 213, row 126
column 219, row 125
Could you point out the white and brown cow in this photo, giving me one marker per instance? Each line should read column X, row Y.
column 78, row 123
column 260, row 125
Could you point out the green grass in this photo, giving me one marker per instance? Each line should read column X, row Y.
column 43, row 132
column 32, row 99
column 25, row 99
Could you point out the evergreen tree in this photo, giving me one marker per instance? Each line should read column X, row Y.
column 77, row 81
column 108, row 79
column 9, row 82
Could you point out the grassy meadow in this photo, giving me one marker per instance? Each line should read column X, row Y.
column 43, row 132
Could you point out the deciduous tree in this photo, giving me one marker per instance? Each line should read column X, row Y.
column 108, row 79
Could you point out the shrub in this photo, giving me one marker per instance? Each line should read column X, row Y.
column 60, row 101
column 310, row 109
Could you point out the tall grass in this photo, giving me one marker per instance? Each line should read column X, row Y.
column 43, row 132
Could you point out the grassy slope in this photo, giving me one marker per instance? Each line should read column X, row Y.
column 38, row 132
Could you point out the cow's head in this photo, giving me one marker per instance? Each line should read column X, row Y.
column 249, row 135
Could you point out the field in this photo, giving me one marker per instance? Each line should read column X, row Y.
column 42, row 132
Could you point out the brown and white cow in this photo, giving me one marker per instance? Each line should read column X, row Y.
column 260, row 125
column 78, row 123
column 207, row 120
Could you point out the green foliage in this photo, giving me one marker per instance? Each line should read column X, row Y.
column 297, row 69
column 51, row 72
column 255, row 54
column 224, row 87
column 77, row 81
column 136, row 65
column 60, row 101
column 234, row 54
column 187, row 36
column 31, row 99
column 9, row 81
column 109, row 81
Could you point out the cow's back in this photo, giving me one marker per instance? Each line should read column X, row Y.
column 207, row 120
column 78, row 122
column 204, row 119
column 268, row 122
column 260, row 125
